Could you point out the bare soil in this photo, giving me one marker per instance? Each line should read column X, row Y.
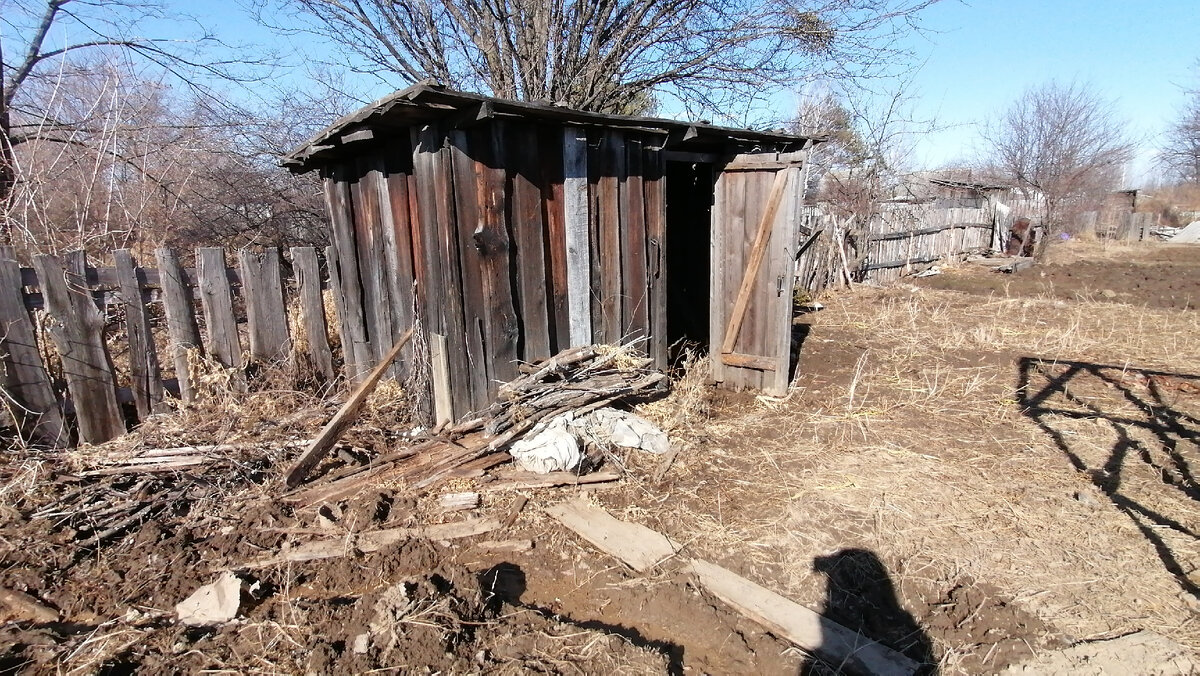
column 975, row 476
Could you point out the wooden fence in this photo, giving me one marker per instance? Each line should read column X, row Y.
column 236, row 316
column 899, row 241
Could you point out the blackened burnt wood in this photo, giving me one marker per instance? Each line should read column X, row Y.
column 181, row 316
column 608, row 200
column 527, row 229
column 23, row 376
column 468, row 207
column 654, row 185
column 349, row 287
column 266, row 315
column 312, row 311
column 145, row 378
column 216, row 298
column 368, row 251
column 635, row 312
column 78, row 333
column 494, row 246
column 398, row 239
column 550, row 141
column 446, row 247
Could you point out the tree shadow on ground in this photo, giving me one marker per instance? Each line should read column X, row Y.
column 1146, row 472
column 860, row 596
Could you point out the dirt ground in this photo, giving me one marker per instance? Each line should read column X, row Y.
column 976, row 471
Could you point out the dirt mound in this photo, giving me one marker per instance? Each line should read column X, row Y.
column 409, row 606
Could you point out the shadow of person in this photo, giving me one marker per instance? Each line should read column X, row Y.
column 860, row 596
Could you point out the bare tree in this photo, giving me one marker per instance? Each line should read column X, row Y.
column 1180, row 154
column 51, row 52
column 610, row 55
column 1062, row 142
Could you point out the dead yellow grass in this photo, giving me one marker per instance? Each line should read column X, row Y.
column 926, row 457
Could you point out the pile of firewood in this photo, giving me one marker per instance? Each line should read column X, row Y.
column 576, row 380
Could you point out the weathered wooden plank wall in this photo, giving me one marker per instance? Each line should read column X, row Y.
column 90, row 311
column 519, row 239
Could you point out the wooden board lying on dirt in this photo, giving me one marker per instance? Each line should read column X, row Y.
column 633, row 544
column 373, row 541
column 810, row 630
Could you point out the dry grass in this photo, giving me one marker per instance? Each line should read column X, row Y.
column 921, row 453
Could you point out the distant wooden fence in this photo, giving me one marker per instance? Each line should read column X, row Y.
column 901, row 240
column 236, row 316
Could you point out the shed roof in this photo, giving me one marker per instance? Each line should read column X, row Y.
column 425, row 102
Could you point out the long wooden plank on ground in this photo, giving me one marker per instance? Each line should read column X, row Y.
column 266, row 315
column 312, row 311
column 24, row 375
column 575, row 207
column 811, row 631
column 757, row 253
column 633, row 544
column 78, row 333
column 216, row 298
column 344, row 417
column 144, row 374
column 373, row 541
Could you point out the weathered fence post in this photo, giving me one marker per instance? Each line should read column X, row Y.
column 312, row 310
column 217, row 300
column 181, row 316
column 78, row 334
column 266, row 316
column 26, row 386
column 144, row 374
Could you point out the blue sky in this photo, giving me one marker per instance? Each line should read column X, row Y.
column 982, row 54
column 985, row 53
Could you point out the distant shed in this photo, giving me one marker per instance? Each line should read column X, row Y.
column 510, row 231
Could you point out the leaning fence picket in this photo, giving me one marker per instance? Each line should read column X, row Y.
column 144, row 374
column 27, row 391
column 182, row 331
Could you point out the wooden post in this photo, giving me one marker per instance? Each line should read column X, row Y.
column 78, row 333
column 575, row 200
column 216, row 298
column 144, row 374
column 23, row 376
column 181, row 316
column 266, row 316
column 312, row 310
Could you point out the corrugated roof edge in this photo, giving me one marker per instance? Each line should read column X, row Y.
column 441, row 101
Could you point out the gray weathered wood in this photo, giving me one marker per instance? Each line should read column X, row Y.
column 343, row 418
column 23, row 377
column 181, row 316
column 633, row 544
column 443, row 406
column 312, row 311
column 717, row 307
column 78, row 332
column 145, row 377
column 809, row 630
column 575, row 200
column 266, row 315
column 216, row 298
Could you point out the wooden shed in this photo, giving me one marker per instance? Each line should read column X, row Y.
column 508, row 231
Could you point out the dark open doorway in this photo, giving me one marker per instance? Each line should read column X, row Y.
column 689, row 207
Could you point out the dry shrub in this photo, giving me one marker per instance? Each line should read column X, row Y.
column 689, row 403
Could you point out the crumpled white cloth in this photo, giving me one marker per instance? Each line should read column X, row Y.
column 556, row 445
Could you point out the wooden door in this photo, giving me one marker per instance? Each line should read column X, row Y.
column 754, row 240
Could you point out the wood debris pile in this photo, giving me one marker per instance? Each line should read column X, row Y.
column 577, row 380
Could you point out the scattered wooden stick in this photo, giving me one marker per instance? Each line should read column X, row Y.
column 457, row 502
column 372, row 541
column 513, row 513
column 343, row 418
column 523, row 480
